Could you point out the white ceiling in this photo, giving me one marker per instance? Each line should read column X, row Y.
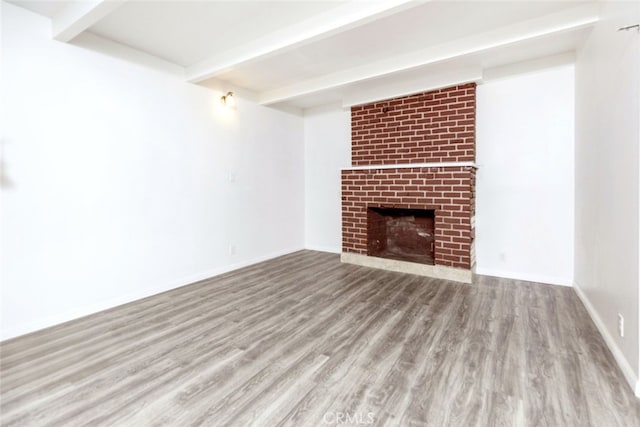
column 47, row 8
column 412, row 30
column 306, row 53
column 187, row 32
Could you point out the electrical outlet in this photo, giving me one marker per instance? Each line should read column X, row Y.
column 620, row 325
column 232, row 249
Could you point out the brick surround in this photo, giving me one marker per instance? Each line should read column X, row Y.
column 432, row 127
column 447, row 190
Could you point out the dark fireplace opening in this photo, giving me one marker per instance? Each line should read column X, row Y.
column 401, row 234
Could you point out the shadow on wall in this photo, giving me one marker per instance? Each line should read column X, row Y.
column 5, row 180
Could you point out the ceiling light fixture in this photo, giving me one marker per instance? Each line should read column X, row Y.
column 228, row 100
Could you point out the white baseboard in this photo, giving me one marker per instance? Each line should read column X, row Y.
column 621, row 360
column 328, row 249
column 8, row 333
column 550, row 280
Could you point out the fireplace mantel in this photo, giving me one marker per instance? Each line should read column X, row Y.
column 412, row 165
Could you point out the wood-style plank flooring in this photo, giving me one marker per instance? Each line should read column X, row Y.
column 303, row 340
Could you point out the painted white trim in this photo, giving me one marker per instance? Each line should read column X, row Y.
column 327, row 249
column 412, row 165
column 437, row 271
column 549, row 280
column 622, row 361
column 134, row 296
column 76, row 17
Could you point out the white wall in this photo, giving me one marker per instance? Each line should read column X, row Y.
column 530, row 117
column 607, row 179
column 116, row 180
column 327, row 136
column 525, row 179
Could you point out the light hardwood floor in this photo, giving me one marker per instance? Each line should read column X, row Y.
column 306, row 341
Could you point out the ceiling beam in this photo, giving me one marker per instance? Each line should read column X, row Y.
column 76, row 17
column 557, row 23
column 529, row 66
column 334, row 21
column 377, row 90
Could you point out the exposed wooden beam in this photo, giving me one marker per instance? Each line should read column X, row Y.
column 557, row 23
column 76, row 17
column 336, row 20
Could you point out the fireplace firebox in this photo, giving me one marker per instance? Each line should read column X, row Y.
column 401, row 234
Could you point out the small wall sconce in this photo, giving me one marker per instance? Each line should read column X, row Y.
column 228, row 100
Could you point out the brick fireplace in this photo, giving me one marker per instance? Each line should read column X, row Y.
column 408, row 199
